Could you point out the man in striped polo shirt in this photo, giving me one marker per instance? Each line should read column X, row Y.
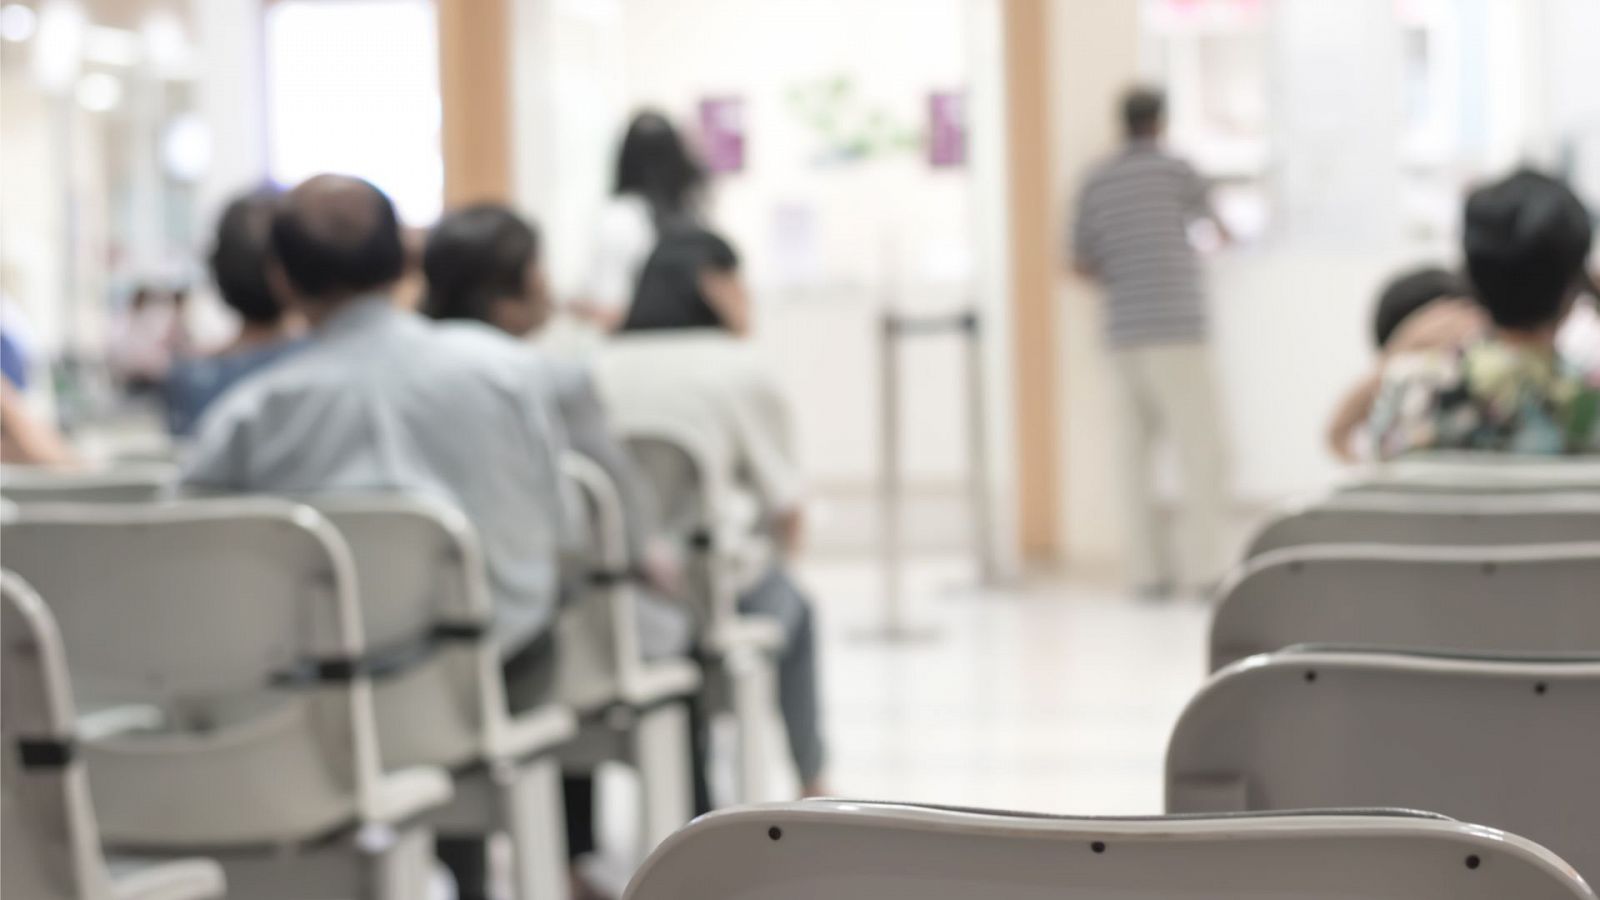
column 1132, row 238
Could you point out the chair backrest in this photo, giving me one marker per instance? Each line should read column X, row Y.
column 691, row 484
column 1510, row 743
column 1440, row 518
column 1480, row 473
column 856, row 851
column 1514, row 599
column 427, row 615
column 141, row 483
column 52, row 844
column 236, row 621
column 599, row 633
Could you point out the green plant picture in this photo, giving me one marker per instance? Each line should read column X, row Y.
column 848, row 127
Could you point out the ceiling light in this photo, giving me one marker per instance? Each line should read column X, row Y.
column 99, row 92
column 186, row 148
column 165, row 44
column 58, row 47
column 112, row 46
column 17, row 22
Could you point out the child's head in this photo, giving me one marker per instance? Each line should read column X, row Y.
column 1527, row 240
column 1406, row 294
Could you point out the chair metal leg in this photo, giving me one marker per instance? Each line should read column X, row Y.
column 532, row 812
column 666, row 773
column 398, row 862
column 754, row 689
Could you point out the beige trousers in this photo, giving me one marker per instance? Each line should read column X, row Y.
column 1167, row 393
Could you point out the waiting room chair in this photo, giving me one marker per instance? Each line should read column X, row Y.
column 1537, row 599
column 1511, row 743
column 437, row 689
column 233, row 628
column 1442, row 519
column 51, row 841
column 723, row 552
column 133, row 483
column 634, row 710
column 874, row 851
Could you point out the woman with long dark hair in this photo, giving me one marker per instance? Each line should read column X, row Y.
column 680, row 354
column 659, row 184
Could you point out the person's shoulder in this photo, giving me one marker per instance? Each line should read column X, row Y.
column 475, row 350
column 471, row 340
column 286, row 380
column 1102, row 169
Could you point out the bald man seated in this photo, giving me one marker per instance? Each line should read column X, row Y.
column 382, row 400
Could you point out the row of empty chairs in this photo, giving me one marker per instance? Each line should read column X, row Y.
column 1389, row 646
column 313, row 690
column 1425, row 638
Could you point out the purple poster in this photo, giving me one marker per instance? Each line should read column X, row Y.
column 722, row 133
column 947, row 129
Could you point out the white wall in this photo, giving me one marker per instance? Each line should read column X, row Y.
column 887, row 230
column 1094, row 57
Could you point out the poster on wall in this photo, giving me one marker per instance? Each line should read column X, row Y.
column 722, row 133
column 947, row 129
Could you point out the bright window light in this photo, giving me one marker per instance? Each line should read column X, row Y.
column 99, row 92
column 58, row 49
column 353, row 87
column 17, row 22
column 111, row 46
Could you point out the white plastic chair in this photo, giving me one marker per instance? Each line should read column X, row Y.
column 634, row 710
column 1540, row 599
column 870, row 851
column 233, row 627
column 133, row 483
column 1512, row 743
column 52, row 842
column 1435, row 519
column 437, row 689
column 691, row 483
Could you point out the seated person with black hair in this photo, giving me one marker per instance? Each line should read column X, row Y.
column 381, row 400
column 267, row 331
column 1527, row 239
column 482, row 266
column 1423, row 309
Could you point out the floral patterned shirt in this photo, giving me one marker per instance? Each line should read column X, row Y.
column 1491, row 396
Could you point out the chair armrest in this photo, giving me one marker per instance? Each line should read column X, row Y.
column 116, row 721
column 402, row 795
column 538, row 730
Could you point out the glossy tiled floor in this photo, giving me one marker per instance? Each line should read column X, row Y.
column 1054, row 698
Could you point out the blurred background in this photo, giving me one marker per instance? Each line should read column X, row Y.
column 861, row 155
column 874, row 161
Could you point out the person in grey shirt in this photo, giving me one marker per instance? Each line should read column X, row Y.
column 381, row 400
column 1131, row 237
column 482, row 265
column 384, row 400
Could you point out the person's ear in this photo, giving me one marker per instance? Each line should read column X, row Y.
column 536, row 287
